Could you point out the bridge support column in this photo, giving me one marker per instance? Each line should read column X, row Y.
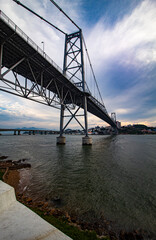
column 14, row 132
column 19, row 133
column 61, row 140
column 86, row 140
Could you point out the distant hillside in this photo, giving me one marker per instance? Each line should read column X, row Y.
column 33, row 128
column 140, row 126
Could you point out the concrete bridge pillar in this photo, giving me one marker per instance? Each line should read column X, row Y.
column 86, row 140
column 19, row 132
column 61, row 140
column 29, row 132
column 14, row 132
column 33, row 132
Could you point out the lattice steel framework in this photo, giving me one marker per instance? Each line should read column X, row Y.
column 74, row 67
column 26, row 71
column 42, row 79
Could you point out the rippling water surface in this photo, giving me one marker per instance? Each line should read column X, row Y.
column 114, row 178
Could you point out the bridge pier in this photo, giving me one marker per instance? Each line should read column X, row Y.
column 19, row 133
column 86, row 140
column 61, row 140
column 14, row 132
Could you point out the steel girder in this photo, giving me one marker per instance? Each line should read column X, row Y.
column 32, row 76
column 23, row 87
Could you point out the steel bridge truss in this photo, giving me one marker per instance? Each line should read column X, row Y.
column 74, row 67
column 35, row 90
column 32, row 90
column 73, row 59
column 26, row 71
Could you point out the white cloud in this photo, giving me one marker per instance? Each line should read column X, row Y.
column 13, row 106
column 124, row 110
column 132, row 40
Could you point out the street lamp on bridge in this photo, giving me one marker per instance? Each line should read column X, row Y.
column 43, row 47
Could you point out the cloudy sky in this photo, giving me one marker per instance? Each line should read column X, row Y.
column 121, row 41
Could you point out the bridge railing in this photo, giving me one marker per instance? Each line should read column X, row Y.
column 100, row 105
column 28, row 40
column 32, row 43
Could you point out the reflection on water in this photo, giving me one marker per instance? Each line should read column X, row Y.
column 114, row 178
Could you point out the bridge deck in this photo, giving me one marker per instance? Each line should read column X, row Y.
column 17, row 46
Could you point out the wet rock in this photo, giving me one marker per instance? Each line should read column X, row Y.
column 57, row 213
column 56, row 199
column 3, row 157
column 73, row 219
column 121, row 235
column 52, row 211
column 29, row 200
column 19, row 166
column 24, row 159
column 46, row 204
column 15, row 162
column 40, row 204
column 13, row 165
column 68, row 218
column 19, row 161
column 135, row 235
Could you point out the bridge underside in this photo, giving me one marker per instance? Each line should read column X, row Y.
column 41, row 76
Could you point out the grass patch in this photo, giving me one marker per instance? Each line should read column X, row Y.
column 72, row 231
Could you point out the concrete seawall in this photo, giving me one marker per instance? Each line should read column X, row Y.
column 17, row 222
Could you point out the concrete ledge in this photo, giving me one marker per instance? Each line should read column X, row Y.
column 19, row 222
column 7, row 196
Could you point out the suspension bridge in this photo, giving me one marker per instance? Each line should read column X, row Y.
column 35, row 76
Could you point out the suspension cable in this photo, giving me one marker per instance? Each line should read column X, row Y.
column 19, row 3
column 65, row 14
column 92, row 69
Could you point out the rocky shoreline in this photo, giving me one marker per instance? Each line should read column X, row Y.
column 102, row 227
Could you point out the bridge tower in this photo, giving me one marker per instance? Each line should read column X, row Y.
column 73, row 66
column 113, row 117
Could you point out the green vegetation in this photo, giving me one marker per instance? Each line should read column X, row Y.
column 72, row 231
column 137, row 129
